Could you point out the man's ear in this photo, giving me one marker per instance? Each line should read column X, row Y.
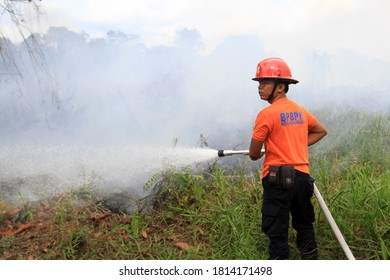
column 281, row 87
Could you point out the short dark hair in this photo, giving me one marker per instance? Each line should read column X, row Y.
column 285, row 83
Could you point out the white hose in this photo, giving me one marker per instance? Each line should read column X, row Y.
column 333, row 224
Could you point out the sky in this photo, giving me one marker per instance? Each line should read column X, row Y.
column 286, row 26
column 291, row 29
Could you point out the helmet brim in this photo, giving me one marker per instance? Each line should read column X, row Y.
column 290, row 81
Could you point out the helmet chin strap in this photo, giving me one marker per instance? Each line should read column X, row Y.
column 271, row 97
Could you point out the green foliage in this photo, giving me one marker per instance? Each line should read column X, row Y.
column 352, row 171
column 6, row 242
column 74, row 244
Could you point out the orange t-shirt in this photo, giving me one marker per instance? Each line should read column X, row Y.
column 284, row 127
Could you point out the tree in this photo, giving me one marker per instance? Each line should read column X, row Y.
column 25, row 61
column 14, row 19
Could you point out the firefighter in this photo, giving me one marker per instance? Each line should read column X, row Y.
column 286, row 129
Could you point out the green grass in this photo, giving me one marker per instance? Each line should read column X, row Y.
column 352, row 168
column 215, row 212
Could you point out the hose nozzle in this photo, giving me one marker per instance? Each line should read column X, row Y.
column 222, row 153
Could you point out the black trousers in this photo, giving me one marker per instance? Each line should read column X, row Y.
column 278, row 203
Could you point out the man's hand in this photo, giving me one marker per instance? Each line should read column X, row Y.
column 255, row 149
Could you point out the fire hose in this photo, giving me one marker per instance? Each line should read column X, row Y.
column 324, row 207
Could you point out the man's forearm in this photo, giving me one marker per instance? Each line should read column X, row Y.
column 314, row 137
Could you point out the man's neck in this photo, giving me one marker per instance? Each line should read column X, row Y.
column 278, row 96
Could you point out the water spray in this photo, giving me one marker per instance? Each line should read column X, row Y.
column 324, row 207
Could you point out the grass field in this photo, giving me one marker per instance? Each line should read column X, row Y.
column 214, row 212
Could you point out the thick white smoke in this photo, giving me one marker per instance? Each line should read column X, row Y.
column 112, row 105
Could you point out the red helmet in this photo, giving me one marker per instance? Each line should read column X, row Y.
column 274, row 68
